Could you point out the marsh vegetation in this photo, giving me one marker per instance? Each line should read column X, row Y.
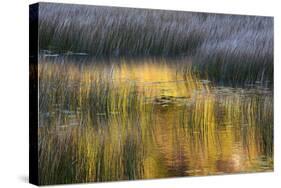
column 137, row 94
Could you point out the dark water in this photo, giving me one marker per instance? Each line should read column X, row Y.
column 103, row 122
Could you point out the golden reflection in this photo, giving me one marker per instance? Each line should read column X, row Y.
column 147, row 120
column 154, row 79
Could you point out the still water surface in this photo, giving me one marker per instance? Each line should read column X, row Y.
column 148, row 119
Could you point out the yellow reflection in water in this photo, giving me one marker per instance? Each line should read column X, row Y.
column 156, row 79
column 147, row 120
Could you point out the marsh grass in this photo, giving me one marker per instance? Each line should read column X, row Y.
column 130, row 94
column 224, row 48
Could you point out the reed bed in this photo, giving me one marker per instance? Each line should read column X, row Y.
column 224, row 48
column 139, row 93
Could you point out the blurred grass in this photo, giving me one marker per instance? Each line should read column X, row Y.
column 224, row 48
column 152, row 99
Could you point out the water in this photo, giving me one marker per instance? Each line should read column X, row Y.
column 147, row 119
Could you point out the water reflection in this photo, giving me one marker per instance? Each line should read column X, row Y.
column 148, row 119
